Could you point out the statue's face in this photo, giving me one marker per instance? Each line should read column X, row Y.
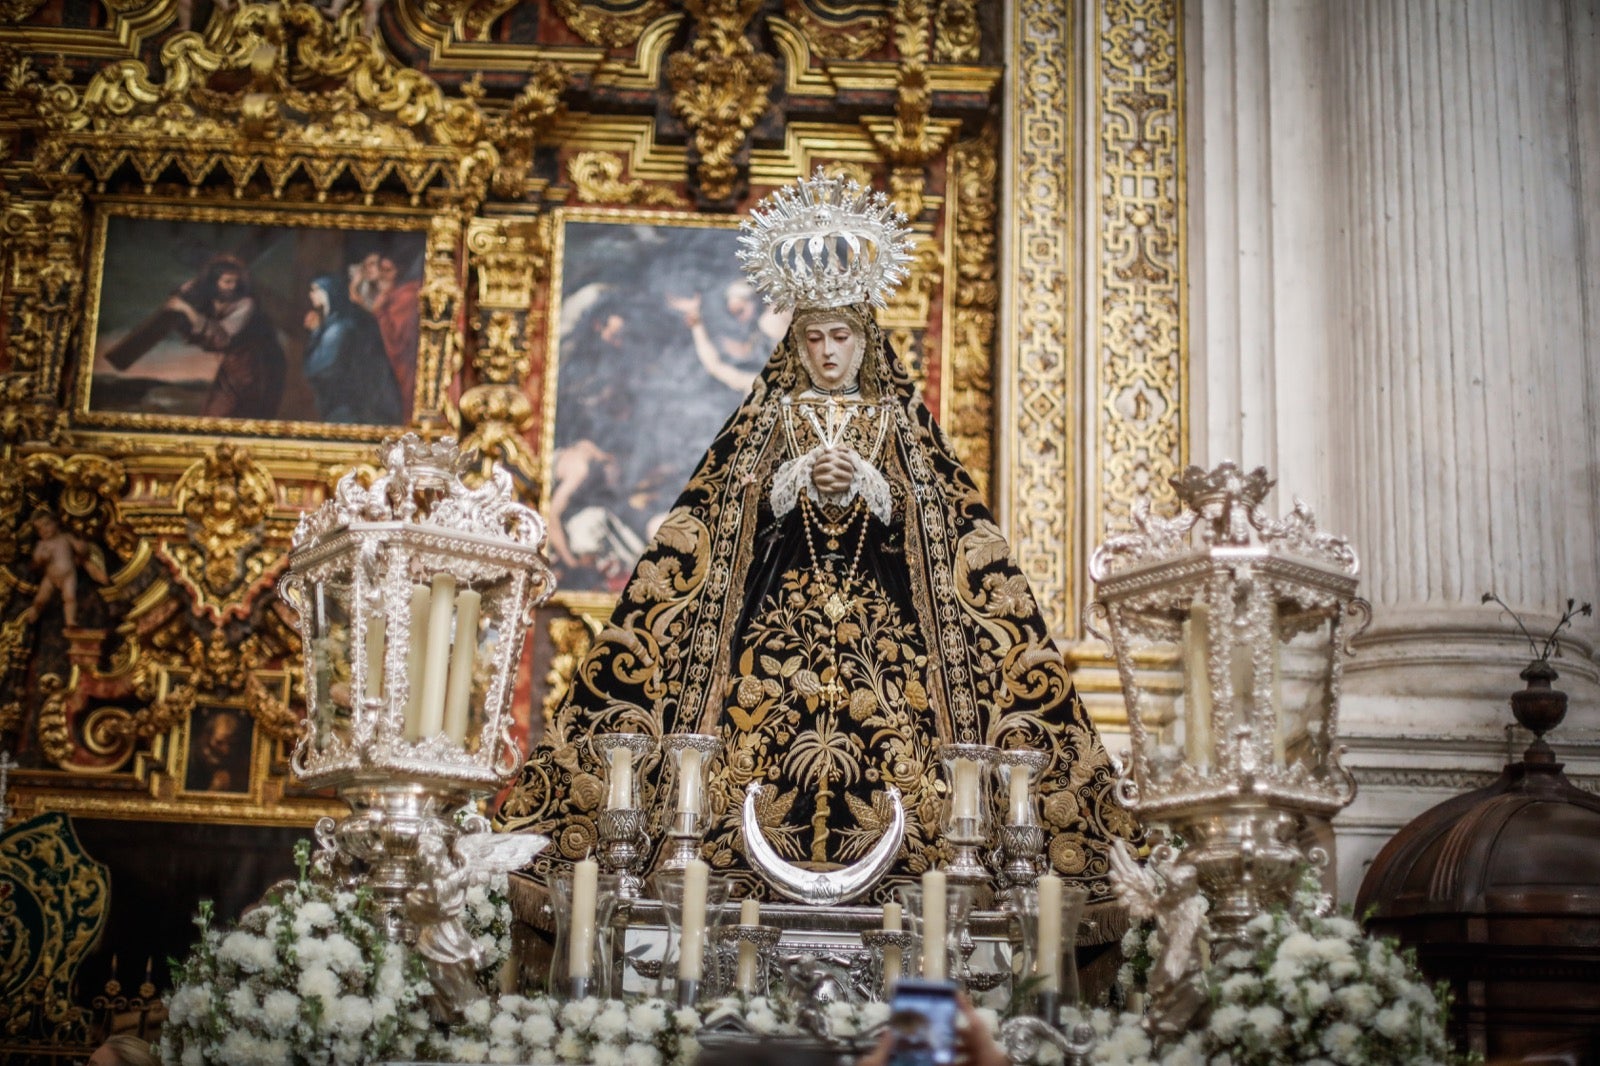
column 833, row 353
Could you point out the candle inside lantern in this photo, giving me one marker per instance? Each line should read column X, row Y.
column 891, row 952
column 1197, row 723
column 964, row 789
column 934, row 967
column 436, row 659
column 375, row 646
column 692, row 947
column 689, row 780
column 585, row 887
column 414, row 659
column 1048, row 964
column 620, row 794
column 458, row 695
column 745, row 979
column 1021, row 812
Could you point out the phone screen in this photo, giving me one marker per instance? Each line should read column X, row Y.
column 922, row 1017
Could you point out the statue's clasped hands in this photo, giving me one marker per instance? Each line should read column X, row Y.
column 834, row 471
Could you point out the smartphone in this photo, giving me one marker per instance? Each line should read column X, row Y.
column 922, row 1019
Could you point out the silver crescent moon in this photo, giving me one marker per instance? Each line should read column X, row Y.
column 823, row 889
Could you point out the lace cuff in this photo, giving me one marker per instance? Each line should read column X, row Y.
column 873, row 489
column 793, row 478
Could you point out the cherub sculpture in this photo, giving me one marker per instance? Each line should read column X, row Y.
column 1169, row 892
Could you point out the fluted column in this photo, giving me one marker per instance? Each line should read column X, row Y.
column 1465, row 357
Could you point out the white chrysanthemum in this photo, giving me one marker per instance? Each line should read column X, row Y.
column 313, row 915
column 1266, row 1020
column 761, row 1020
column 281, row 1010
column 1132, row 941
column 1227, row 1021
column 1344, row 969
column 243, row 1048
column 874, row 1014
column 249, row 952
column 514, row 1003
column 571, row 1049
column 356, row 1014
column 538, row 1031
column 478, row 1012
column 1316, row 993
column 544, row 1057
column 686, row 1020
column 1240, row 985
column 646, row 1019
column 193, row 1056
column 311, row 952
column 841, row 1019
column 579, row 1013
column 641, row 1055
column 188, row 1004
column 321, row 982
column 391, row 976
column 342, row 955
column 462, row 1050
column 1358, row 1002
column 607, row 1055
column 504, row 1026
column 1341, row 1040
column 506, row 1053
column 611, row 1024
column 1393, row 1021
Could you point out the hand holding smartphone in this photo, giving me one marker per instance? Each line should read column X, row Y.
column 922, row 1024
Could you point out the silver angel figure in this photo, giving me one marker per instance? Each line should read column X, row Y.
column 1169, row 892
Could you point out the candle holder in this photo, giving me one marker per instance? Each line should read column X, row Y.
column 563, row 982
column 668, row 887
column 1019, row 859
column 764, row 938
column 1063, row 967
column 688, row 756
column 412, row 595
column 957, row 940
column 622, row 831
column 878, row 942
column 967, row 770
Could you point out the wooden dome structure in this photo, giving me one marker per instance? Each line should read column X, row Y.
column 1498, row 890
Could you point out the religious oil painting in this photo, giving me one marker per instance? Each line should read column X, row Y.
column 218, row 321
column 658, row 336
column 221, row 750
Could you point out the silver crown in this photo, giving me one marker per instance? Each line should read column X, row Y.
column 825, row 242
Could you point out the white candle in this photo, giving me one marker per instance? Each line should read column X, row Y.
column 585, row 883
column 375, row 647
column 414, row 659
column 891, row 952
column 934, row 966
column 689, row 780
column 458, row 695
column 620, row 796
column 436, row 659
column 1048, row 964
column 964, row 789
column 745, row 979
column 691, row 953
column 1197, row 679
column 1281, row 730
column 1021, row 811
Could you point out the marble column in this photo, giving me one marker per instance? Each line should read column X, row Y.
column 1394, row 306
column 1466, row 374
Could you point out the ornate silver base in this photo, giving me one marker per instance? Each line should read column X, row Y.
column 387, row 822
column 681, row 848
column 966, row 865
column 624, row 847
column 1020, row 858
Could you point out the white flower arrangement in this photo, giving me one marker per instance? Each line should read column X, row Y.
column 1313, row 989
column 307, row 977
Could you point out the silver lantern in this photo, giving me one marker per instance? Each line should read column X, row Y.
column 1239, row 758
column 414, row 593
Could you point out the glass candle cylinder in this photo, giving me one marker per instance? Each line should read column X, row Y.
column 1018, row 771
column 967, row 770
column 621, row 754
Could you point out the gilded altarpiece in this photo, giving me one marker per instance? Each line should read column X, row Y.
column 447, row 148
column 429, row 155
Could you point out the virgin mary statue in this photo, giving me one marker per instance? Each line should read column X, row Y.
column 830, row 597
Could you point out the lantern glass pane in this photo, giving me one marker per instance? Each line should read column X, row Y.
column 331, row 696
column 1304, row 668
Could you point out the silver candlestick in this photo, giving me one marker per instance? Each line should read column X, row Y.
column 967, row 770
column 689, row 755
column 623, row 837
